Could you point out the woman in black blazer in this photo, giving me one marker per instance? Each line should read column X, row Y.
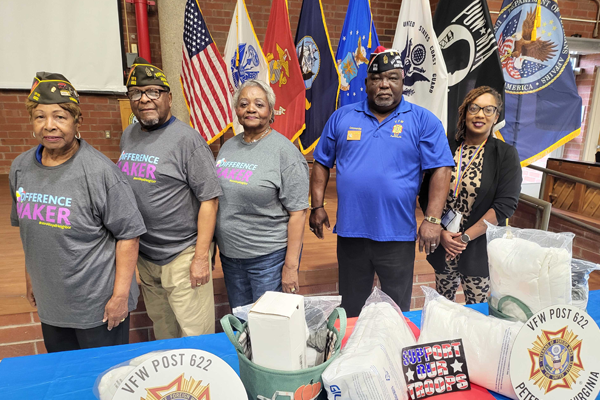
column 489, row 182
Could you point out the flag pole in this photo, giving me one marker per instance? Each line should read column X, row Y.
column 517, row 120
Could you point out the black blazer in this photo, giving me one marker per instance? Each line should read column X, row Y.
column 500, row 187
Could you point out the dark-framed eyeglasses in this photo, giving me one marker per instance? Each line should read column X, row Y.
column 488, row 111
column 152, row 94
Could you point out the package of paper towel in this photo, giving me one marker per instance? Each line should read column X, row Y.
column 529, row 270
column 370, row 364
column 487, row 340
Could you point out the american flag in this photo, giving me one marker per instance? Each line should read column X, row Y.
column 204, row 77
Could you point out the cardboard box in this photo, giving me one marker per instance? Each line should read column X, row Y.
column 278, row 331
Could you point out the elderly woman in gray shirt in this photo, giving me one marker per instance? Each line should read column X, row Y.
column 262, row 212
column 79, row 225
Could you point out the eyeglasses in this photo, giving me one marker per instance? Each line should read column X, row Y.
column 488, row 111
column 152, row 94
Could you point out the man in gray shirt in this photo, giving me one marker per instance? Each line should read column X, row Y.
column 172, row 174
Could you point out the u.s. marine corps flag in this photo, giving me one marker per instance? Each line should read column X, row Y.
column 358, row 39
column 466, row 36
column 243, row 55
column 425, row 75
column 284, row 73
column 543, row 109
column 320, row 75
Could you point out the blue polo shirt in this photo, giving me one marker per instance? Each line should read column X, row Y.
column 379, row 167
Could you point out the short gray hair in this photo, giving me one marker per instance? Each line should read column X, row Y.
column 255, row 82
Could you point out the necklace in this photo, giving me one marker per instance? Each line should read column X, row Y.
column 260, row 137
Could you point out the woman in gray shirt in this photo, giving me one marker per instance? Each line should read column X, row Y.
column 260, row 222
column 79, row 225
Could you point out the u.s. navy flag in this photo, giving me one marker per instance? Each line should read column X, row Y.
column 466, row 37
column 204, row 78
column 425, row 76
column 284, row 73
column 243, row 54
column 358, row 39
column 319, row 72
column 543, row 109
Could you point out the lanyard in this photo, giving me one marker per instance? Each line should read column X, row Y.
column 459, row 176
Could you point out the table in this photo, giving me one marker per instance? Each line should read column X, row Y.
column 72, row 374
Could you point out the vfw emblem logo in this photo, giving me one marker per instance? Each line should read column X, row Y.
column 556, row 356
column 532, row 57
column 180, row 389
column 555, row 360
column 244, row 64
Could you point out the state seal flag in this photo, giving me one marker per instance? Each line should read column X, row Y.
column 358, row 39
column 543, row 109
column 319, row 72
column 204, row 78
column 466, row 37
column 285, row 75
column 243, row 55
column 425, row 76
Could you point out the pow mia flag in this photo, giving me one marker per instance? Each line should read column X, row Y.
column 466, row 37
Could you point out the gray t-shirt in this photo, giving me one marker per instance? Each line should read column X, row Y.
column 171, row 170
column 262, row 182
column 70, row 217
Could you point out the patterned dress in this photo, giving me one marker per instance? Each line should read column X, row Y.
column 475, row 288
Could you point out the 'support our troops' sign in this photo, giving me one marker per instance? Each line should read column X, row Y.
column 556, row 356
column 185, row 374
column 435, row 368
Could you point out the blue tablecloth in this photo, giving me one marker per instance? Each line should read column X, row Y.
column 72, row 374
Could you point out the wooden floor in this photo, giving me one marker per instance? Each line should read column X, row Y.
column 319, row 263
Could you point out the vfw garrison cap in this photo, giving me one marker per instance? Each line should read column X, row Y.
column 52, row 88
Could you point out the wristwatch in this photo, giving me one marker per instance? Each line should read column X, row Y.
column 465, row 238
column 433, row 220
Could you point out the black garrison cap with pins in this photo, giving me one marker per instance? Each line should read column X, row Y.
column 143, row 73
column 52, row 88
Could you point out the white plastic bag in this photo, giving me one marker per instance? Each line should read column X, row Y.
column 580, row 274
column 487, row 340
column 108, row 382
column 529, row 270
column 370, row 364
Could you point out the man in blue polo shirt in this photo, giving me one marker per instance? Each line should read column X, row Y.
column 381, row 148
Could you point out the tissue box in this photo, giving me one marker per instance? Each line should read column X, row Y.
column 278, row 331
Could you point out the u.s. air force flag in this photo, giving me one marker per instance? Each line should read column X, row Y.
column 425, row 76
column 321, row 79
column 357, row 41
column 543, row 109
column 243, row 54
column 466, row 37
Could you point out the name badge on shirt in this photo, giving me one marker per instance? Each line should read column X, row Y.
column 353, row 134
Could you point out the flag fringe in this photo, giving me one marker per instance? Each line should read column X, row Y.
column 550, row 149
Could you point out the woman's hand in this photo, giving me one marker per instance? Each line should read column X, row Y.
column 116, row 311
column 29, row 291
column 452, row 243
column 289, row 279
